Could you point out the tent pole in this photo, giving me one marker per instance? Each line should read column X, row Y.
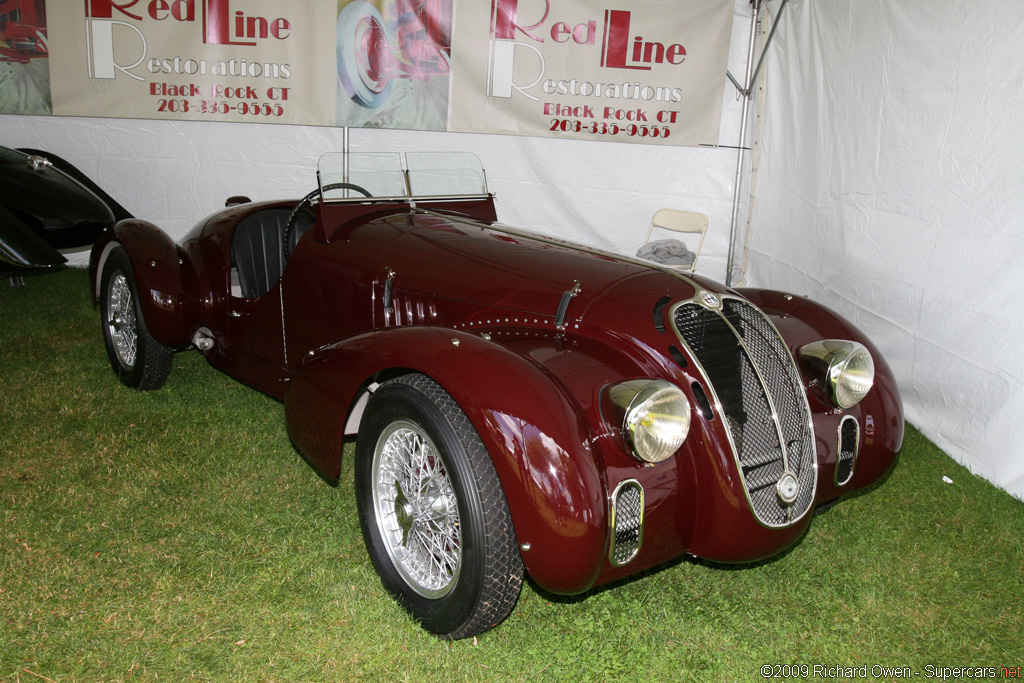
column 745, row 93
column 344, row 156
column 764, row 52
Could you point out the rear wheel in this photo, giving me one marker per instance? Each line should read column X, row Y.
column 434, row 517
column 137, row 359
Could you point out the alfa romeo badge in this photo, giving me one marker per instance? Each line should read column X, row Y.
column 710, row 300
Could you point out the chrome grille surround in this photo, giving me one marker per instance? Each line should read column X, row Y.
column 761, row 399
column 627, row 522
column 849, row 444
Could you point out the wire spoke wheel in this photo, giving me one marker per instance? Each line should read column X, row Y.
column 121, row 320
column 433, row 513
column 138, row 360
column 417, row 512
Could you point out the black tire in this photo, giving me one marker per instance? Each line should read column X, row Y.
column 825, row 507
column 138, row 360
column 468, row 579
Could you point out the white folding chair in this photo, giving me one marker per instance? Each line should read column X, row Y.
column 677, row 220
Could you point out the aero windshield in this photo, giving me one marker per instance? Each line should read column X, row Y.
column 391, row 176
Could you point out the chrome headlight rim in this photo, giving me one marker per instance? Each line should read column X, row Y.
column 654, row 418
column 844, row 369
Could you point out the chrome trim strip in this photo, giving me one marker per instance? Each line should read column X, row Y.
column 284, row 329
column 394, row 199
column 697, row 298
column 839, row 449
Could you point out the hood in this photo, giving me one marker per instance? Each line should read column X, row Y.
column 494, row 266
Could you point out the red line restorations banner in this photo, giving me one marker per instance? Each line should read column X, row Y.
column 228, row 60
column 643, row 71
column 650, row 71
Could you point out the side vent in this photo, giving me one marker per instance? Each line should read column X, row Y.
column 849, row 444
column 703, row 404
column 627, row 521
column 412, row 311
column 677, row 356
column 659, row 313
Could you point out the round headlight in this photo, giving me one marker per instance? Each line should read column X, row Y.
column 656, row 417
column 845, row 369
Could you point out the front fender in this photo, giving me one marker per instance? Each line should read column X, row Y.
column 161, row 274
column 880, row 414
column 530, row 426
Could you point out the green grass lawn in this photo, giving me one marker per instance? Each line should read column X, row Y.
column 177, row 535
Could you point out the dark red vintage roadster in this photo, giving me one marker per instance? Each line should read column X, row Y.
column 519, row 403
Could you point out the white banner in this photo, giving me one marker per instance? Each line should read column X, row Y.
column 649, row 71
column 224, row 60
column 644, row 71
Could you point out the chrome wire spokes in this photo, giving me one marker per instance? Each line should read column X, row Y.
column 416, row 509
column 121, row 320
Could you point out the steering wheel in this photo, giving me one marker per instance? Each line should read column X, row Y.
column 303, row 209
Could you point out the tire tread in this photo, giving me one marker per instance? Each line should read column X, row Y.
column 504, row 574
column 153, row 359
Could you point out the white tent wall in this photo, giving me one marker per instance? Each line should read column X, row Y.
column 602, row 194
column 891, row 188
column 599, row 193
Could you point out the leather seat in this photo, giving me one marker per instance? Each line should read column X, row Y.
column 256, row 251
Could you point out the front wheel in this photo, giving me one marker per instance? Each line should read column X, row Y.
column 138, row 360
column 434, row 516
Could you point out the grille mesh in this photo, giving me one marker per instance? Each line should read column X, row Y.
column 751, row 370
column 628, row 512
column 848, row 433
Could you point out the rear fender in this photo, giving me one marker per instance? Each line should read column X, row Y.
column 161, row 275
column 530, row 426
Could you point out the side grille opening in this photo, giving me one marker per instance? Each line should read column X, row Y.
column 677, row 356
column 627, row 522
column 849, row 442
column 703, row 404
column 659, row 313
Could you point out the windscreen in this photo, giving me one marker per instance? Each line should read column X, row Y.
column 389, row 175
column 365, row 175
column 433, row 174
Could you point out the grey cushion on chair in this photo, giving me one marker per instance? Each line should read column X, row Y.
column 670, row 252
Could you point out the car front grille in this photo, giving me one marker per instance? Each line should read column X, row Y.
column 759, row 394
